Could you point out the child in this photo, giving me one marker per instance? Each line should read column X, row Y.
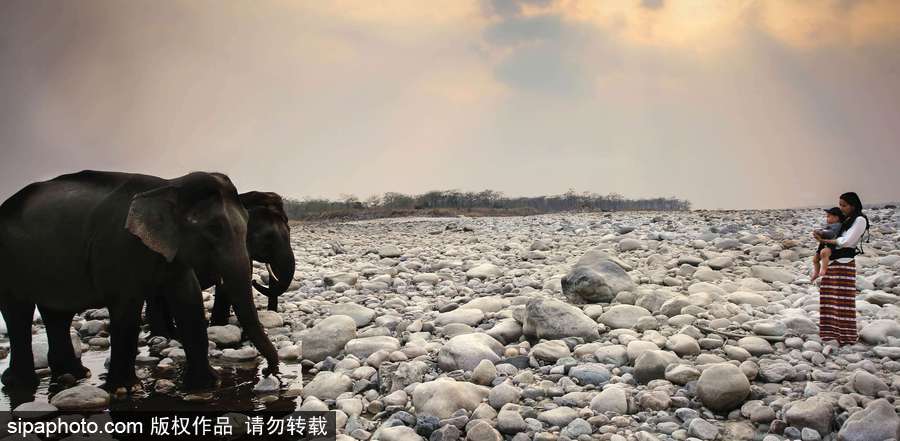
column 833, row 217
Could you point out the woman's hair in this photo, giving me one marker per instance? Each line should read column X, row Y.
column 852, row 199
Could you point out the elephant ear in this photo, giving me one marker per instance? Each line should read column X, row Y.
column 151, row 217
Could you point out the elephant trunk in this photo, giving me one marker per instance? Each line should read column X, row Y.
column 281, row 274
column 236, row 288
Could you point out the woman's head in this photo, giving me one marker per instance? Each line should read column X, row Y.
column 850, row 204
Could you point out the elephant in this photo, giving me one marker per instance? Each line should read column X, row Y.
column 93, row 239
column 268, row 241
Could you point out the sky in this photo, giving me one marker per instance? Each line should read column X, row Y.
column 729, row 104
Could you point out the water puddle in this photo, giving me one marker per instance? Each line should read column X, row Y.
column 235, row 394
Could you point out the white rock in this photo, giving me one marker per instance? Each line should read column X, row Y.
column 444, row 396
column 81, row 397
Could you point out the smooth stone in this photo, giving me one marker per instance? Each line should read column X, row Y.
column 595, row 278
column 551, row 319
column 362, row 348
column 468, row 350
column 442, row 397
column 756, row 345
column 560, row 416
column 327, row 385
column 722, row 387
column 611, row 399
column 484, row 271
column 270, row 319
column 814, row 413
column 360, row 314
column 623, row 316
column 328, row 337
column 590, row 373
column 224, row 336
column 651, row 365
column 877, row 421
column 81, row 397
column 771, row 274
column 550, row 350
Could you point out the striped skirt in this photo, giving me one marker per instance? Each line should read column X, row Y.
column 837, row 303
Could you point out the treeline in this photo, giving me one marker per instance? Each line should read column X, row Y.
column 483, row 203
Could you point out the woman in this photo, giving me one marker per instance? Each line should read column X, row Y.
column 837, row 293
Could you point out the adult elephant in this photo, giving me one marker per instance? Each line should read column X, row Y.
column 268, row 241
column 95, row 239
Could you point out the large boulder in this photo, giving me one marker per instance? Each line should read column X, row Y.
column 612, row 399
column 771, row 274
column 467, row 316
column 360, row 314
column 878, row 421
column 590, row 373
column 328, row 337
column 484, row 271
column 867, row 384
column 442, row 397
column 629, row 244
column 467, row 350
column 722, row 387
column 651, row 365
column 551, row 350
column 748, row 298
column 270, row 319
column 224, row 336
column 81, row 397
column 595, row 278
column 877, row 331
column 815, row 413
column 487, row 304
column 362, row 348
column 551, row 319
column 623, row 316
column 327, row 385
column 334, row 279
column 398, row 433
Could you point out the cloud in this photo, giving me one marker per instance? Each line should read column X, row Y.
column 512, row 8
column 514, row 31
column 653, row 4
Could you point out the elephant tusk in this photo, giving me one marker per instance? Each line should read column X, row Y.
column 221, row 281
column 272, row 273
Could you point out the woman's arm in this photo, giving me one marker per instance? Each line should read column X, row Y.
column 853, row 234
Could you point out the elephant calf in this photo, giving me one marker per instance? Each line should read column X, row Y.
column 268, row 241
column 93, row 239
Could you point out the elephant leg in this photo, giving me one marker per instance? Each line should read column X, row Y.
column 61, row 356
column 20, row 373
column 124, row 326
column 160, row 317
column 221, row 310
column 186, row 300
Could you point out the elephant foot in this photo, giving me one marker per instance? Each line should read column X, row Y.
column 122, row 392
column 20, row 379
column 71, row 371
column 166, row 334
column 116, row 382
column 217, row 319
column 202, row 377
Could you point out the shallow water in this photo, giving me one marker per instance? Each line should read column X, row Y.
column 234, row 394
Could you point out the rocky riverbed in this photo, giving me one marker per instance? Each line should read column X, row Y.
column 608, row 326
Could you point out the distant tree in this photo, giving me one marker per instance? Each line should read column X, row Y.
column 493, row 201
